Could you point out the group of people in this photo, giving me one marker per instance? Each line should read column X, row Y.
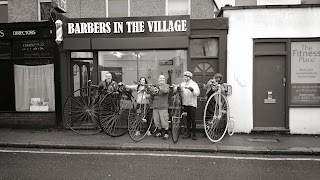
column 159, row 104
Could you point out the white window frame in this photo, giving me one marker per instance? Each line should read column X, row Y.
column 189, row 7
column 107, row 7
column 39, row 10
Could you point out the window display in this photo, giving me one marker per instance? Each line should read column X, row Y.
column 34, row 88
column 129, row 66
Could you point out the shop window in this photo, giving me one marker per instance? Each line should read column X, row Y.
column 129, row 66
column 34, row 88
column 3, row 12
column 118, row 8
column 204, row 47
column 305, row 73
column 178, row 7
column 44, row 7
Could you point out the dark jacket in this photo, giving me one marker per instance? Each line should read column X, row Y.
column 160, row 100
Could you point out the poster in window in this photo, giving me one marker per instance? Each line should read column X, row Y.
column 39, row 104
column 305, row 73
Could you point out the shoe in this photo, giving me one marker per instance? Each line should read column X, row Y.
column 186, row 136
column 165, row 137
column 137, row 133
column 149, row 133
column 157, row 135
column 194, row 137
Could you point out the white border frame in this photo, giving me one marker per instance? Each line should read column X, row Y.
column 189, row 10
column 3, row 2
column 107, row 5
column 39, row 13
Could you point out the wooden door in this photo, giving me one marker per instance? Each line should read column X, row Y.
column 202, row 71
column 269, row 93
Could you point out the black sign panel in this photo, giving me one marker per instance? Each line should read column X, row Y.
column 156, row 26
column 33, row 48
column 5, row 49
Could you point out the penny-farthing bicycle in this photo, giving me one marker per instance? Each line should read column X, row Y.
column 177, row 114
column 81, row 110
column 114, row 108
column 140, row 117
column 89, row 110
column 216, row 117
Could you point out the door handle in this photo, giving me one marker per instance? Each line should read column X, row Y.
column 203, row 99
column 284, row 81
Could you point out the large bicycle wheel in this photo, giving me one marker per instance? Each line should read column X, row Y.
column 215, row 123
column 113, row 113
column 80, row 111
column 176, row 118
column 139, row 121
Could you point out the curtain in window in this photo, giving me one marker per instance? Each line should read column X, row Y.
column 36, row 82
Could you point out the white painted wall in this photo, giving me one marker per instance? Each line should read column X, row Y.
column 304, row 120
column 244, row 26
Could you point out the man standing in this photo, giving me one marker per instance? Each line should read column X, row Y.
column 190, row 91
column 108, row 83
column 160, row 107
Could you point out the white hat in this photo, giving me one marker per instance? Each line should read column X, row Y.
column 187, row 73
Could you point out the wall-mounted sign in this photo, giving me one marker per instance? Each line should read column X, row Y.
column 33, row 48
column 59, row 5
column 27, row 33
column 305, row 73
column 128, row 27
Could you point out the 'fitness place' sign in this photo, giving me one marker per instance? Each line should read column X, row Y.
column 305, row 73
column 128, row 27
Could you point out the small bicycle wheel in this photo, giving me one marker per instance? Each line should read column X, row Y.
column 80, row 111
column 176, row 118
column 113, row 113
column 215, row 123
column 139, row 121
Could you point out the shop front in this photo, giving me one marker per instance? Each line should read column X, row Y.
column 29, row 75
column 274, row 67
column 136, row 47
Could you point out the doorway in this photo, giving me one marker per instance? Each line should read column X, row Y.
column 202, row 71
column 269, row 93
column 81, row 69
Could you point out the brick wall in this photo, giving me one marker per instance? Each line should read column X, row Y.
column 28, row 120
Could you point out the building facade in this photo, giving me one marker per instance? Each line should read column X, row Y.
column 274, row 67
column 196, row 42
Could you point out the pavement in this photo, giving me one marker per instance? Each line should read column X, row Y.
column 253, row 143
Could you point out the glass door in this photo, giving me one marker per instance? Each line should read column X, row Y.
column 81, row 69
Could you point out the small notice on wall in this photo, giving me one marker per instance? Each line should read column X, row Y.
column 305, row 73
column 39, row 104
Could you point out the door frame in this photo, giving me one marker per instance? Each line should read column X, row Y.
column 287, row 76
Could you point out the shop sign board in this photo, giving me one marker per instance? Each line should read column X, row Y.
column 18, row 33
column 127, row 27
column 305, row 73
